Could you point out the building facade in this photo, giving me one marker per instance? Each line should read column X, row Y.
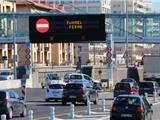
column 89, row 53
column 6, row 50
column 130, row 6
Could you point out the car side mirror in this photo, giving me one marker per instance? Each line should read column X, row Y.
column 150, row 104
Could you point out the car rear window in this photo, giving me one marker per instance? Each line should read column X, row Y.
column 76, row 77
column 73, row 86
column 127, row 101
column 56, row 86
column 2, row 95
column 122, row 86
column 146, row 85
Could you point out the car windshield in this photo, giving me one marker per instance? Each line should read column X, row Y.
column 127, row 101
column 122, row 86
column 76, row 77
column 73, row 86
column 146, row 85
column 128, row 80
column 53, row 77
column 5, row 73
column 56, row 86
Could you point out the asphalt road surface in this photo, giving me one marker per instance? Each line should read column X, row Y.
column 41, row 109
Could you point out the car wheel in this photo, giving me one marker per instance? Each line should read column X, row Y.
column 24, row 112
column 10, row 113
column 47, row 100
column 85, row 102
column 64, row 102
column 74, row 103
column 96, row 100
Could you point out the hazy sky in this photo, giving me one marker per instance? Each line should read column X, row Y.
column 156, row 5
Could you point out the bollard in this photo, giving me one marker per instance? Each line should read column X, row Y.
column 3, row 117
column 52, row 113
column 30, row 115
column 72, row 111
column 154, row 96
column 103, row 105
column 146, row 95
column 88, row 107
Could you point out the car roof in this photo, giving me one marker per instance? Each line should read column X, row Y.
column 125, row 82
column 148, row 82
column 128, row 95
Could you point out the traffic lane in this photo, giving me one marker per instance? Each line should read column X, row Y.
column 156, row 108
column 41, row 110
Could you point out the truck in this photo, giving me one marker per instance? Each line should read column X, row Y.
column 151, row 65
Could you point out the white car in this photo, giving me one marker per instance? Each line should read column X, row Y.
column 50, row 79
column 54, row 91
column 6, row 75
column 77, row 76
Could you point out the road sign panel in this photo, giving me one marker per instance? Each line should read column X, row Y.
column 109, row 61
column 109, row 48
column 42, row 25
column 27, row 62
column 109, row 54
column 28, row 56
column 27, row 51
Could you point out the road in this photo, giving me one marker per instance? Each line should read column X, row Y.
column 41, row 109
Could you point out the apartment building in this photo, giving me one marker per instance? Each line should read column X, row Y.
column 130, row 6
column 47, row 54
column 6, row 50
column 85, row 50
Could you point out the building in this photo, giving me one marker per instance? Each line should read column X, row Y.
column 84, row 50
column 130, row 6
column 6, row 50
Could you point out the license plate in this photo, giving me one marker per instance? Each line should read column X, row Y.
column 126, row 115
column 72, row 96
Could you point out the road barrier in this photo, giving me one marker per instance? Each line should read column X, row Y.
column 72, row 116
column 3, row 117
column 52, row 113
column 88, row 107
column 103, row 108
column 30, row 115
column 154, row 95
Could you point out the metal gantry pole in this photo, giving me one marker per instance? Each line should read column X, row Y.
column 14, row 43
column 126, row 32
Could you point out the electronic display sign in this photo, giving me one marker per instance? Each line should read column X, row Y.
column 77, row 28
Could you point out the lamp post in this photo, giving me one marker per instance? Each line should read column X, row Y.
column 126, row 32
column 14, row 42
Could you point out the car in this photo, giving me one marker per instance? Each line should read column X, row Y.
column 54, row 91
column 125, row 88
column 6, row 75
column 149, row 87
column 131, row 107
column 79, row 92
column 51, row 78
column 11, row 103
column 78, row 76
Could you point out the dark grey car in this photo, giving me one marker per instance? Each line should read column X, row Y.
column 78, row 92
column 11, row 103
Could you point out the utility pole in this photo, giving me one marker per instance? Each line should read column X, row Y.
column 14, row 42
column 126, row 33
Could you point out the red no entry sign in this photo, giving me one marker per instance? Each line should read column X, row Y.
column 42, row 25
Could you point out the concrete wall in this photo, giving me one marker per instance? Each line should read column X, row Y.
column 39, row 74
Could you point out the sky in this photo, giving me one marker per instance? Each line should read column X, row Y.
column 156, row 5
